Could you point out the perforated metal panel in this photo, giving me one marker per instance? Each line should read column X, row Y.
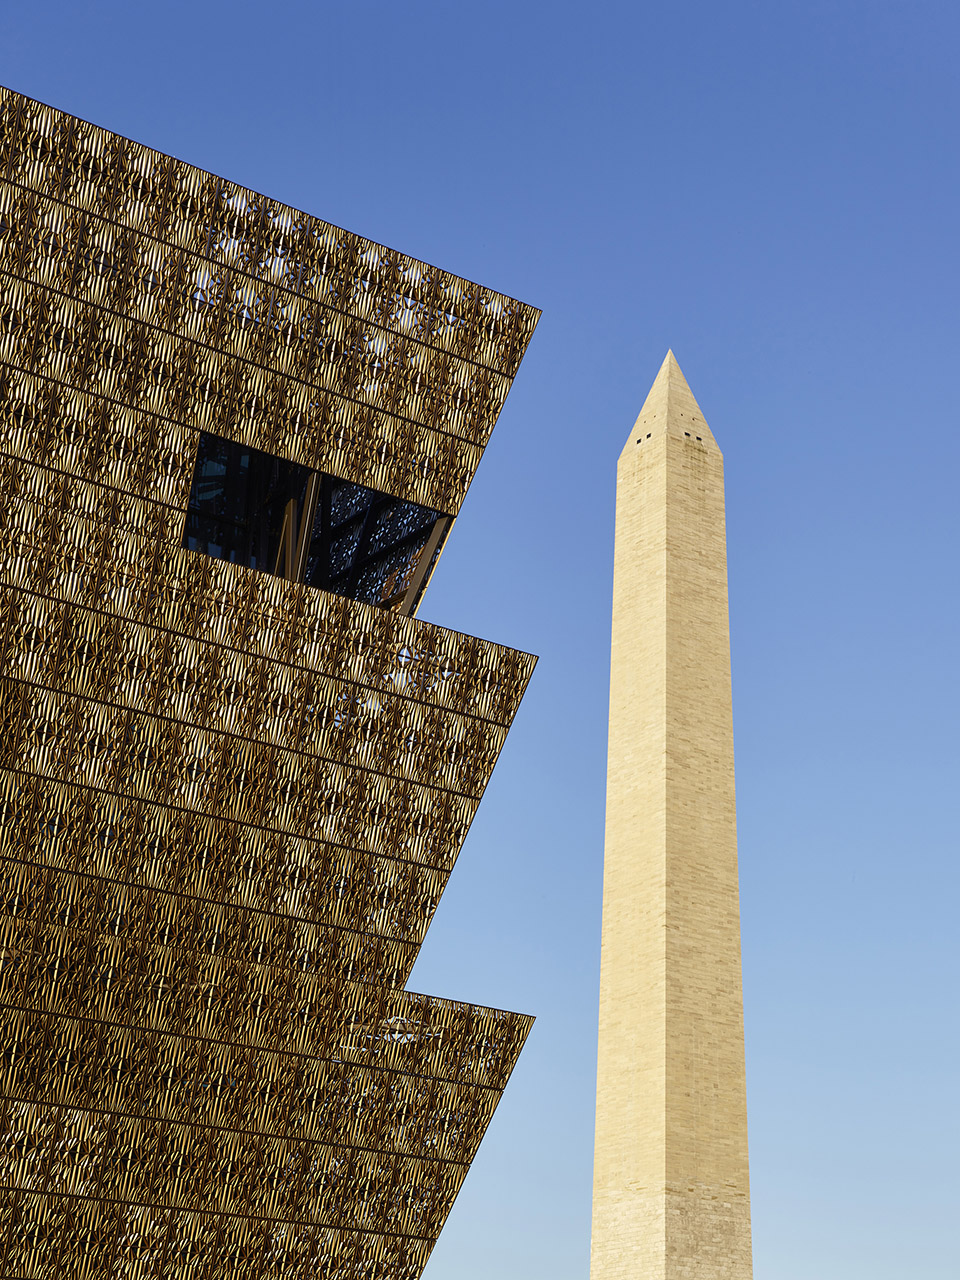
column 228, row 803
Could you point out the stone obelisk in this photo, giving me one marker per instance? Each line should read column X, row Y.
column 671, row 1194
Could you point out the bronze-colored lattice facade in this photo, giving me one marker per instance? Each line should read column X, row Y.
column 229, row 801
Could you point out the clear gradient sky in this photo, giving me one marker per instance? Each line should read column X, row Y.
column 771, row 189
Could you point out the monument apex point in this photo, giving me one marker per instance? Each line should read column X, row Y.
column 670, row 408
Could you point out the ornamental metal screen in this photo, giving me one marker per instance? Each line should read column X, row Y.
column 229, row 799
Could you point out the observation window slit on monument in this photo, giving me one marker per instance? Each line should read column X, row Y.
column 262, row 511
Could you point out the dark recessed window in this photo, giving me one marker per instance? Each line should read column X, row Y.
column 254, row 509
column 238, row 502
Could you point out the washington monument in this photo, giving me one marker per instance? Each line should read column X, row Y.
column 671, row 1197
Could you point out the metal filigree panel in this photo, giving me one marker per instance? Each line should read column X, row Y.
column 185, row 296
column 229, row 802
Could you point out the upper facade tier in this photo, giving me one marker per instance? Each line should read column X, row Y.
column 219, row 309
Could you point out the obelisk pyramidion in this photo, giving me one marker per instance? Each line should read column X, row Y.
column 671, row 1194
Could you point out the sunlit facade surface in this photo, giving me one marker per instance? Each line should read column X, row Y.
column 235, row 770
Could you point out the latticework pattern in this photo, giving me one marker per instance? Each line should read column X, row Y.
column 229, row 803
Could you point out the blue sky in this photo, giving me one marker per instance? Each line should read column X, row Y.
column 771, row 190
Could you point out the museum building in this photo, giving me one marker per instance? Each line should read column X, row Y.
column 235, row 769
